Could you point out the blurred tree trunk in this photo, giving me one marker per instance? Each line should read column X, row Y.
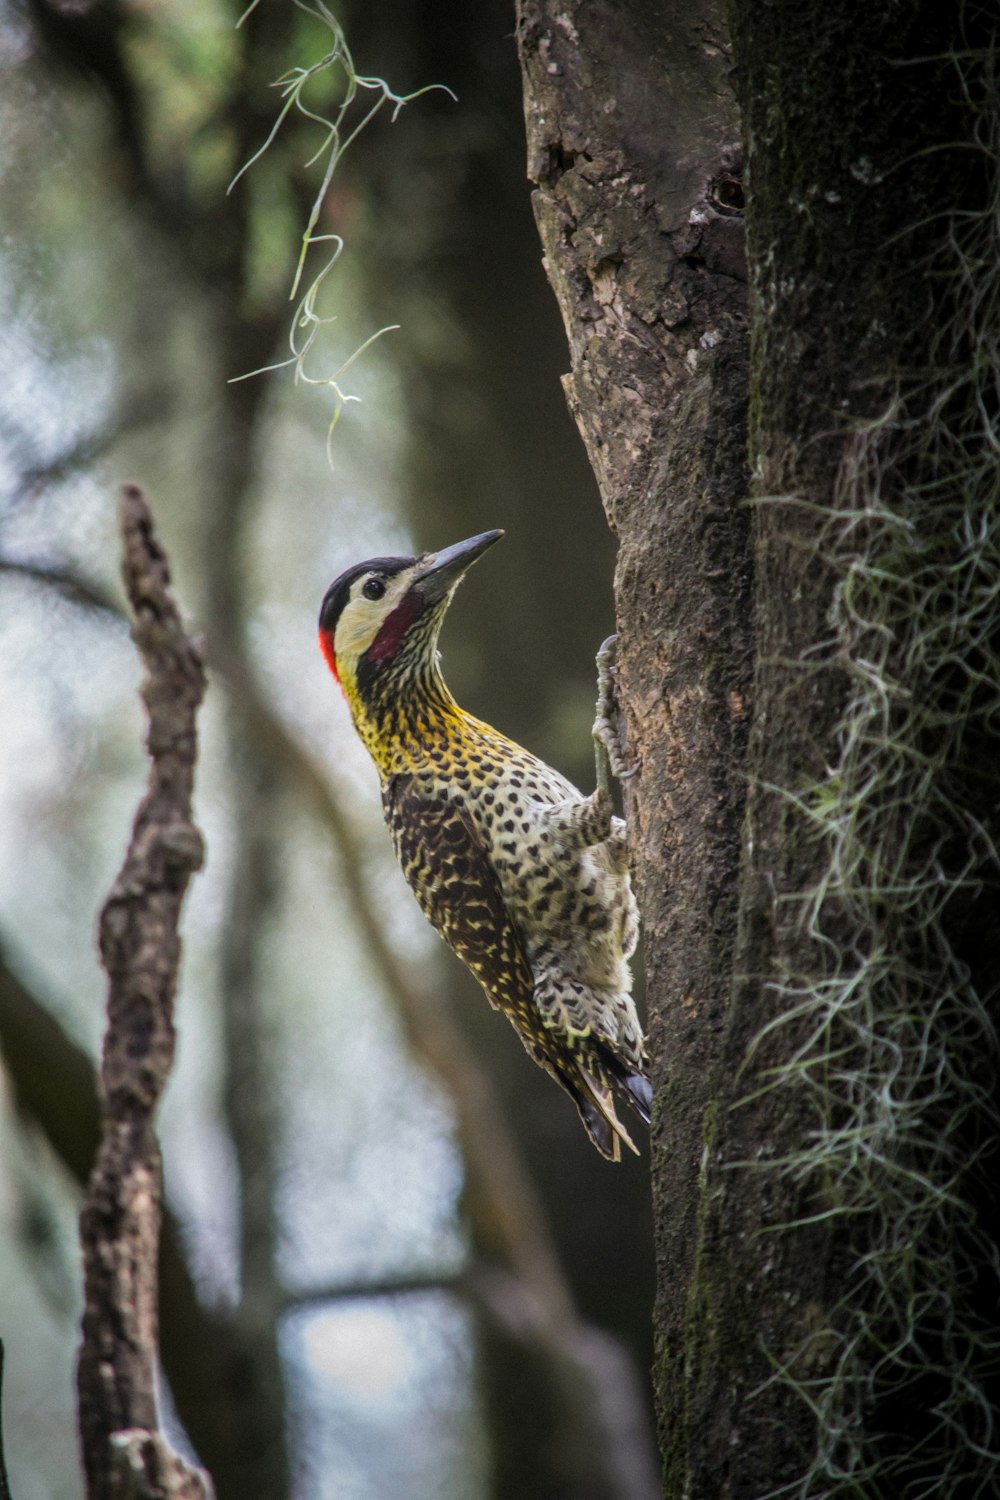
column 231, row 1398
column 490, row 444
column 873, row 142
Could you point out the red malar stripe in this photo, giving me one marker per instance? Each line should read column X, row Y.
column 326, row 646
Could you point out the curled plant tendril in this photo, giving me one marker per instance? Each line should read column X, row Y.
column 339, row 133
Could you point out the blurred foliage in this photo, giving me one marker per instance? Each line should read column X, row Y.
column 131, row 289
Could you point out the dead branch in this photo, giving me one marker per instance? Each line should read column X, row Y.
column 140, row 949
column 600, row 1408
column 66, row 581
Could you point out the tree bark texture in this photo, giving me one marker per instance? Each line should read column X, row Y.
column 633, row 143
column 140, row 948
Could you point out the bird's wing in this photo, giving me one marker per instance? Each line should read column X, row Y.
column 446, row 864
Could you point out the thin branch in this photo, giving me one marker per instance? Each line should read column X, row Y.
column 123, row 1452
column 66, row 581
column 33, row 478
column 353, row 1290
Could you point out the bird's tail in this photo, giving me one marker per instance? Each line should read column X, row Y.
column 597, row 1111
column 639, row 1091
column 631, row 1083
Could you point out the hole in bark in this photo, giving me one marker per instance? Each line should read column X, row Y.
column 564, row 160
column 725, row 193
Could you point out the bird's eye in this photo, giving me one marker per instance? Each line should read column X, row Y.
column 373, row 588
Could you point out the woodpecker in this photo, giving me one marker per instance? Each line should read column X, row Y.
column 519, row 872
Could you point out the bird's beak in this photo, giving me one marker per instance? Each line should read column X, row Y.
column 443, row 569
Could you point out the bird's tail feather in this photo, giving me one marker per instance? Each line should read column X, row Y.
column 639, row 1091
column 597, row 1127
column 597, row 1110
column 632, row 1084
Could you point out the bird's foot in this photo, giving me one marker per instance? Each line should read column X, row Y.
column 608, row 757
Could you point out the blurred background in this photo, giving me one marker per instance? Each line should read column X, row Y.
column 393, row 1265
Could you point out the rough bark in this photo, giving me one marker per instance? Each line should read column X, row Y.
column 633, row 144
column 120, row 1221
column 873, row 158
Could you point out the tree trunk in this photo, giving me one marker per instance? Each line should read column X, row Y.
column 633, row 143
column 871, row 137
column 826, row 1231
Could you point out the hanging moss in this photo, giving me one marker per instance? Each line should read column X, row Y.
column 895, row 1030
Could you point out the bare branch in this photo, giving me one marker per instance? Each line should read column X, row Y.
column 66, row 581
column 600, row 1404
column 84, row 450
column 352, row 1289
column 140, row 948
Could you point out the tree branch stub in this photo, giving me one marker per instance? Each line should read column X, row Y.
column 140, row 949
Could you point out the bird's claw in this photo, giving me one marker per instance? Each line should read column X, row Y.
column 609, row 760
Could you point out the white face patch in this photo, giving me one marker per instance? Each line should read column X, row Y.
column 361, row 619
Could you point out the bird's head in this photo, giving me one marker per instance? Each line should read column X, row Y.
column 379, row 623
